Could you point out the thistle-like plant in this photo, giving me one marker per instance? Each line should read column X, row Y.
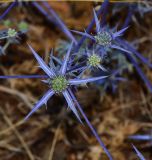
column 11, row 37
column 8, row 34
column 94, row 60
column 61, row 78
column 104, row 37
column 59, row 82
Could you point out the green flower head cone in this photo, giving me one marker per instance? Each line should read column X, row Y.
column 103, row 38
column 59, row 84
column 94, row 60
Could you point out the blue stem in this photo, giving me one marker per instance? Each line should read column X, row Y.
column 103, row 21
column 90, row 126
column 61, row 25
column 7, row 10
column 128, row 18
column 23, row 76
column 54, row 19
column 42, row 11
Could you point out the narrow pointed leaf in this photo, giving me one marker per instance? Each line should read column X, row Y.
column 65, row 62
column 141, row 157
column 120, row 48
column 119, row 33
column 129, row 17
column 102, row 68
column 105, row 6
column 41, row 102
column 141, row 137
column 84, row 81
column 42, row 64
column 61, row 25
column 23, row 76
column 57, row 60
column 71, row 104
column 96, row 21
column 7, row 10
column 83, row 34
column 43, row 12
column 4, row 37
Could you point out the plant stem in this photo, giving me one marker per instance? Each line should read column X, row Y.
column 23, row 76
column 7, row 10
column 90, row 126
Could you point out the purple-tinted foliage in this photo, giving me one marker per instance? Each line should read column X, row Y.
column 8, row 9
column 141, row 137
column 61, row 25
column 53, row 18
column 104, row 37
column 105, row 12
column 61, row 78
column 43, row 12
column 102, row 9
column 60, row 84
column 129, row 17
column 23, row 76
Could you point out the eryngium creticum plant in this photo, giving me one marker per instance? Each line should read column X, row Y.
column 104, row 37
column 61, row 79
column 60, row 82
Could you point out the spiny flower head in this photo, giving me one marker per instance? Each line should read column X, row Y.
column 94, row 60
column 104, row 38
column 23, row 26
column 11, row 32
column 58, row 83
